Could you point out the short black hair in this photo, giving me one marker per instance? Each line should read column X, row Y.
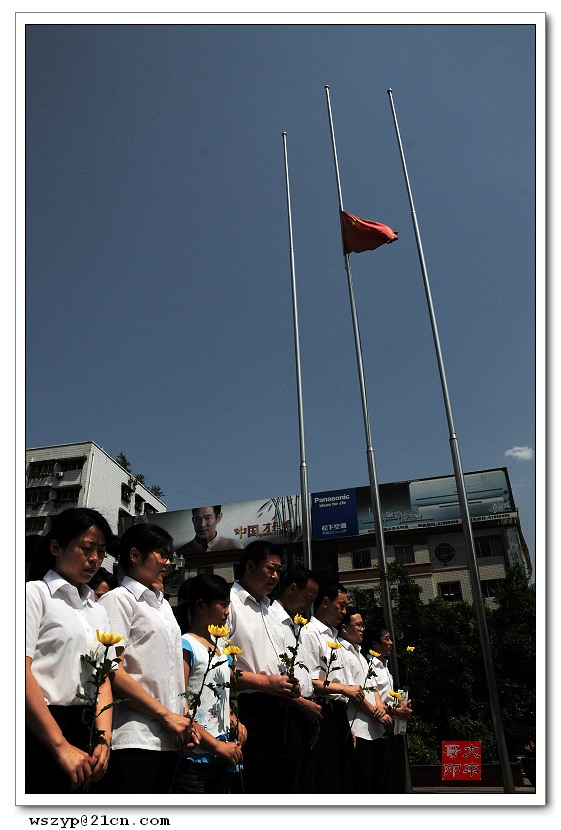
column 145, row 538
column 64, row 527
column 373, row 634
column 257, row 552
column 331, row 590
column 351, row 611
column 204, row 587
column 217, row 509
column 299, row 576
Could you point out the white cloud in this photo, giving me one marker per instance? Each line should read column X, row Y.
column 521, row 453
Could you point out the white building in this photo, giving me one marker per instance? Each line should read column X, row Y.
column 82, row 475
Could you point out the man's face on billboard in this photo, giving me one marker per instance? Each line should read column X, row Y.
column 204, row 522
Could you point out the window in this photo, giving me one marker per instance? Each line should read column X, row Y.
column 149, row 509
column 126, row 493
column 361, row 559
column 71, row 464
column 404, row 554
column 67, row 494
column 451, row 591
column 35, row 524
column 138, row 502
column 207, row 570
column 489, row 546
column 444, row 552
column 489, row 587
column 39, row 496
column 38, row 469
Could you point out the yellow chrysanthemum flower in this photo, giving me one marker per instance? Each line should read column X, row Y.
column 234, row 650
column 334, row 645
column 374, row 653
column 298, row 620
column 396, row 695
column 218, row 631
column 410, row 649
column 107, row 638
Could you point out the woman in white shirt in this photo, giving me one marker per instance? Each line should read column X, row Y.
column 61, row 622
column 150, row 724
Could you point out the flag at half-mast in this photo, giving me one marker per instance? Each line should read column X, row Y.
column 363, row 234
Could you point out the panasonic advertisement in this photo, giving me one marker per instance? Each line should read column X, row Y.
column 411, row 505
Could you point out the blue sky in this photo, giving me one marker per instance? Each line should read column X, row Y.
column 158, row 298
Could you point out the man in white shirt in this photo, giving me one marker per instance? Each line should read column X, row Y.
column 304, row 716
column 389, row 751
column 369, row 720
column 263, row 690
column 332, row 752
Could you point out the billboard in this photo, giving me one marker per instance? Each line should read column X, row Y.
column 411, row 505
column 231, row 526
column 405, row 505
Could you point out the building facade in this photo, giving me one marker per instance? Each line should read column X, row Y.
column 83, row 475
column 422, row 531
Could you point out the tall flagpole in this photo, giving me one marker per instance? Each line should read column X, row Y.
column 508, row 783
column 305, row 500
column 374, row 491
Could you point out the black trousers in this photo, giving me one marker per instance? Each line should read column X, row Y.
column 202, row 778
column 389, row 758
column 275, row 750
column 42, row 773
column 363, row 767
column 139, row 771
column 333, row 751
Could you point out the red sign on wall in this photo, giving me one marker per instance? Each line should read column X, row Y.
column 461, row 760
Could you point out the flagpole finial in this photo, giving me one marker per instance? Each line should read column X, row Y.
column 326, row 87
column 284, row 132
column 390, row 91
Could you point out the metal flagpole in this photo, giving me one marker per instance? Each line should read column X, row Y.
column 305, row 507
column 508, row 783
column 374, row 492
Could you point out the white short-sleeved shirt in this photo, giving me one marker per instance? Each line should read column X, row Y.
column 252, row 629
column 384, row 680
column 285, row 631
column 315, row 637
column 61, row 624
column 153, row 657
column 356, row 669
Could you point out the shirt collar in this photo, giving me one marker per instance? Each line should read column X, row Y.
column 152, row 595
column 323, row 628
column 244, row 595
column 282, row 613
column 55, row 582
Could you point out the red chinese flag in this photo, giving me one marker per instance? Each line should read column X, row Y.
column 363, row 235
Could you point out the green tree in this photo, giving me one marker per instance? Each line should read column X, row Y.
column 445, row 675
column 155, row 489
column 512, row 633
column 124, row 462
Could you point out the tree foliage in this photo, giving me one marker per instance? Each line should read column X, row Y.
column 445, row 674
column 155, row 489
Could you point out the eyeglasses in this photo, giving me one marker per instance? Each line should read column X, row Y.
column 164, row 556
column 358, row 625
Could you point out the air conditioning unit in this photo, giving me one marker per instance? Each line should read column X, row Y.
column 60, row 474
